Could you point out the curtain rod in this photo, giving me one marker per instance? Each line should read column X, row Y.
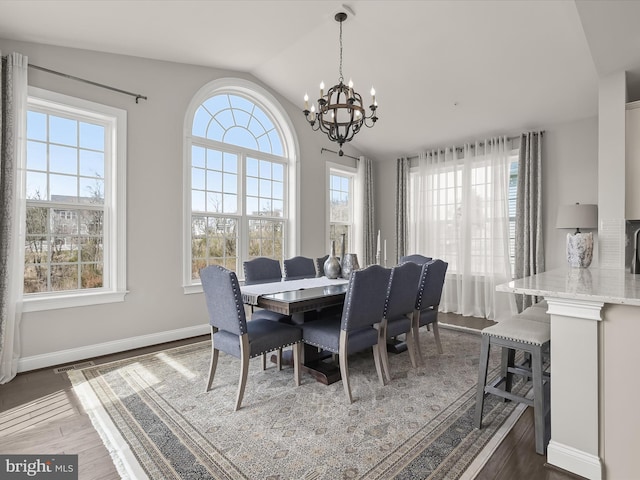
column 137, row 95
column 459, row 149
column 322, row 150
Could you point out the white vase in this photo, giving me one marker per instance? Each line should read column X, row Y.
column 579, row 249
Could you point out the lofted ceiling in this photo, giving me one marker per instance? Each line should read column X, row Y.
column 444, row 71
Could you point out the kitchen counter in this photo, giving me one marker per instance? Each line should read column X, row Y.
column 602, row 285
column 595, row 327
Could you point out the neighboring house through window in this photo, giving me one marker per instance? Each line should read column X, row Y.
column 75, row 239
column 239, row 179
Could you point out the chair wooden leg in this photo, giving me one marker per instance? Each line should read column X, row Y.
column 377, row 353
column 380, row 352
column 279, row 359
column 297, row 355
column 436, row 335
column 344, row 368
column 264, row 361
column 483, row 367
column 415, row 328
column 244, row 369
column 213, row 364
column 411, row 346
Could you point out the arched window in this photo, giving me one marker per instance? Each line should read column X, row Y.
column 239, row 178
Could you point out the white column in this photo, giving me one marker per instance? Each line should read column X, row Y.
column 574, row 386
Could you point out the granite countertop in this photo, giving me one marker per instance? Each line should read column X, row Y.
column 595, row 284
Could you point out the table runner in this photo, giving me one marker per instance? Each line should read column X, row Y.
column 250, row 293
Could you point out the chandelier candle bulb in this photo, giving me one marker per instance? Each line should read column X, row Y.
column 306, row 101
column 373, row 96
column 321, row 89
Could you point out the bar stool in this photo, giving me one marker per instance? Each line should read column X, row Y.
column 529, row 336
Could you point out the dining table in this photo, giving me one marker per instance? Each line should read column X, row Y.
column 304, row 300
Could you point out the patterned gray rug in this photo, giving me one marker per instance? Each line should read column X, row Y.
column 156, row 421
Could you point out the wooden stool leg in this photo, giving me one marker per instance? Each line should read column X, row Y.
column 508, row 358
column 483, row 366
column 538, row 400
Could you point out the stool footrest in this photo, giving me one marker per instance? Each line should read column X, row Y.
column 526, row 372
column 508, row 395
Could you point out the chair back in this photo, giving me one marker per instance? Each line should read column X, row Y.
column 320, row 265
column 299, row 267
column 224, row 300
column 415, row 258
column 403, row 290
column 365, row 297
column 431, row 284
column 262, row 269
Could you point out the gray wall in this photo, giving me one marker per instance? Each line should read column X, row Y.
column 156, row 303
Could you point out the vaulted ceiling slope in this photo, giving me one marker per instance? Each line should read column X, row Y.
column 444, row 71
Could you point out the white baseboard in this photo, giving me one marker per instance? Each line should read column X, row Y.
column 574, row 460
column 82, row 353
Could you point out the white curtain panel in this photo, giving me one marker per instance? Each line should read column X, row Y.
column 460, row 214
column 12, row 209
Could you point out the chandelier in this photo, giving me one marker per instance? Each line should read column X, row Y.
column 341, row 113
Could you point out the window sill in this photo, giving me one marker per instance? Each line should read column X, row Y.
column 194, row 288
column 66, row 300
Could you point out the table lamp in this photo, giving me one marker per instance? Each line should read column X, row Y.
column 579, row 244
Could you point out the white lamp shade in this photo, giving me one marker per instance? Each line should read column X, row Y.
column 577, row 216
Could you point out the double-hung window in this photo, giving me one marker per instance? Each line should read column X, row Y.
column 238, row 180
column 341, row 205
column 75, row 169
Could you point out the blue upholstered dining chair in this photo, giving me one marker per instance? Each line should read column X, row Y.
column 299, row 267
column 415, row 258
column 233, row 335
column 260, row 270
column 428, row 301
column 355, row 330
column 399, row 309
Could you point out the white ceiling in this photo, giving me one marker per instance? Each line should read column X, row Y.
column 444, row 71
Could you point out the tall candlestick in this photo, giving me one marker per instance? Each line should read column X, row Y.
column 385, row 252
column 378, row 244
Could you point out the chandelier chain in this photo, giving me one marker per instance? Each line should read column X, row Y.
column 340, row 77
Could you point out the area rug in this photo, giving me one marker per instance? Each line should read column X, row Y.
column 154, row 417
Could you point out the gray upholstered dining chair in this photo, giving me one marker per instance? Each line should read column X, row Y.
column 320, row 265
column 260, row 270
column 399, row 309
column 299, row 267
column 356, row 329
column 233, row 335
column 415, row 258
column 428, row 301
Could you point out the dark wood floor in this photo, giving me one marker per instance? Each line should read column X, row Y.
column 40, row 414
